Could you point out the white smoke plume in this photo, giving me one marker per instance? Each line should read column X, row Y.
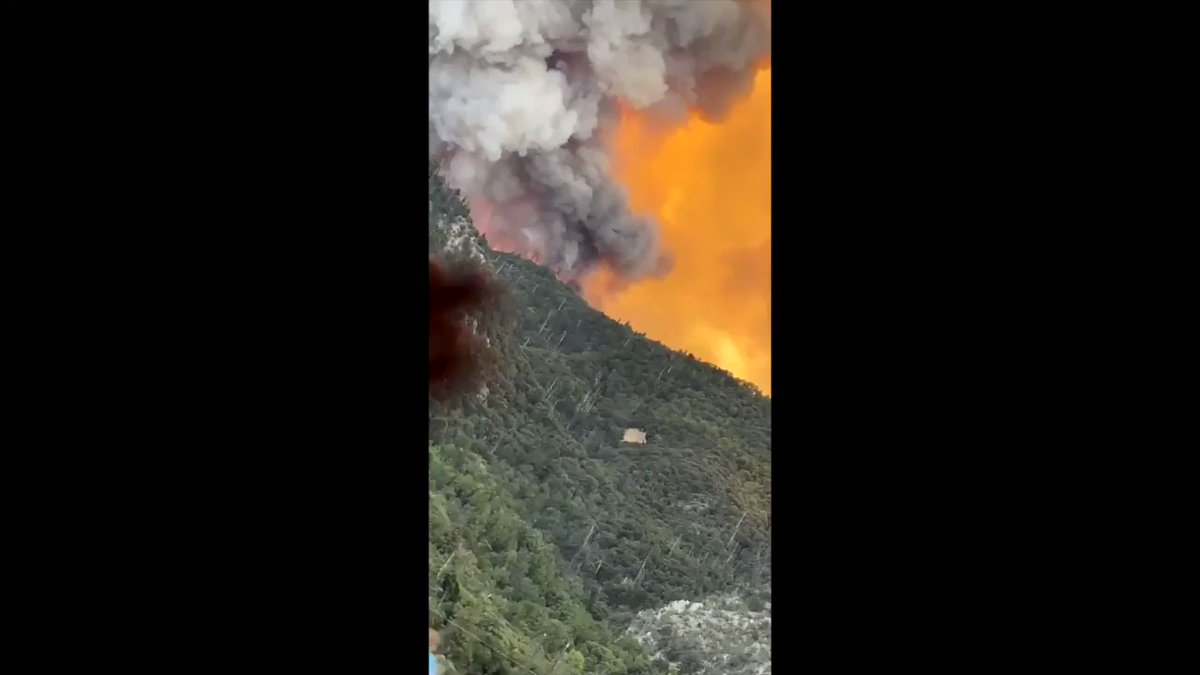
column 524, row 93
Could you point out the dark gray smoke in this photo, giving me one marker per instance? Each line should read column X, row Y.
column 523, row 95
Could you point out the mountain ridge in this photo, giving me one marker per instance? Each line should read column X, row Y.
column 547, row 532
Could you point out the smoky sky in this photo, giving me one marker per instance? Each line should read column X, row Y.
column 524, row 96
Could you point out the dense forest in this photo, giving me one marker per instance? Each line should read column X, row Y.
column 549, row 537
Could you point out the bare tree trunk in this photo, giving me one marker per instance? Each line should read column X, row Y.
column 735, row 529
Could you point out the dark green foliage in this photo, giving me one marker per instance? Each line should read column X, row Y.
column 559, row 531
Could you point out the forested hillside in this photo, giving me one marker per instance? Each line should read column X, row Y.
column 549, row 536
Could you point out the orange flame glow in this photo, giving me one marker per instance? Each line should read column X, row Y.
column 709, row 185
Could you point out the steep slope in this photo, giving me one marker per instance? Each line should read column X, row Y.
column 556, row 532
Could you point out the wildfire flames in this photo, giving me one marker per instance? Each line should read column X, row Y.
column 709, row 185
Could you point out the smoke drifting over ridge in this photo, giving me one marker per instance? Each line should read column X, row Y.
column 524, row 97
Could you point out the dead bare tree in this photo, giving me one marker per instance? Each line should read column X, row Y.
column 642, row 568
column 735, row 529
column 677, row 540
column 585, row 541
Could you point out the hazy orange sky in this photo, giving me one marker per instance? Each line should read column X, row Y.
column 710, row 188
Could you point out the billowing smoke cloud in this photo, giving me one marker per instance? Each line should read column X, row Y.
column 523, row 95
